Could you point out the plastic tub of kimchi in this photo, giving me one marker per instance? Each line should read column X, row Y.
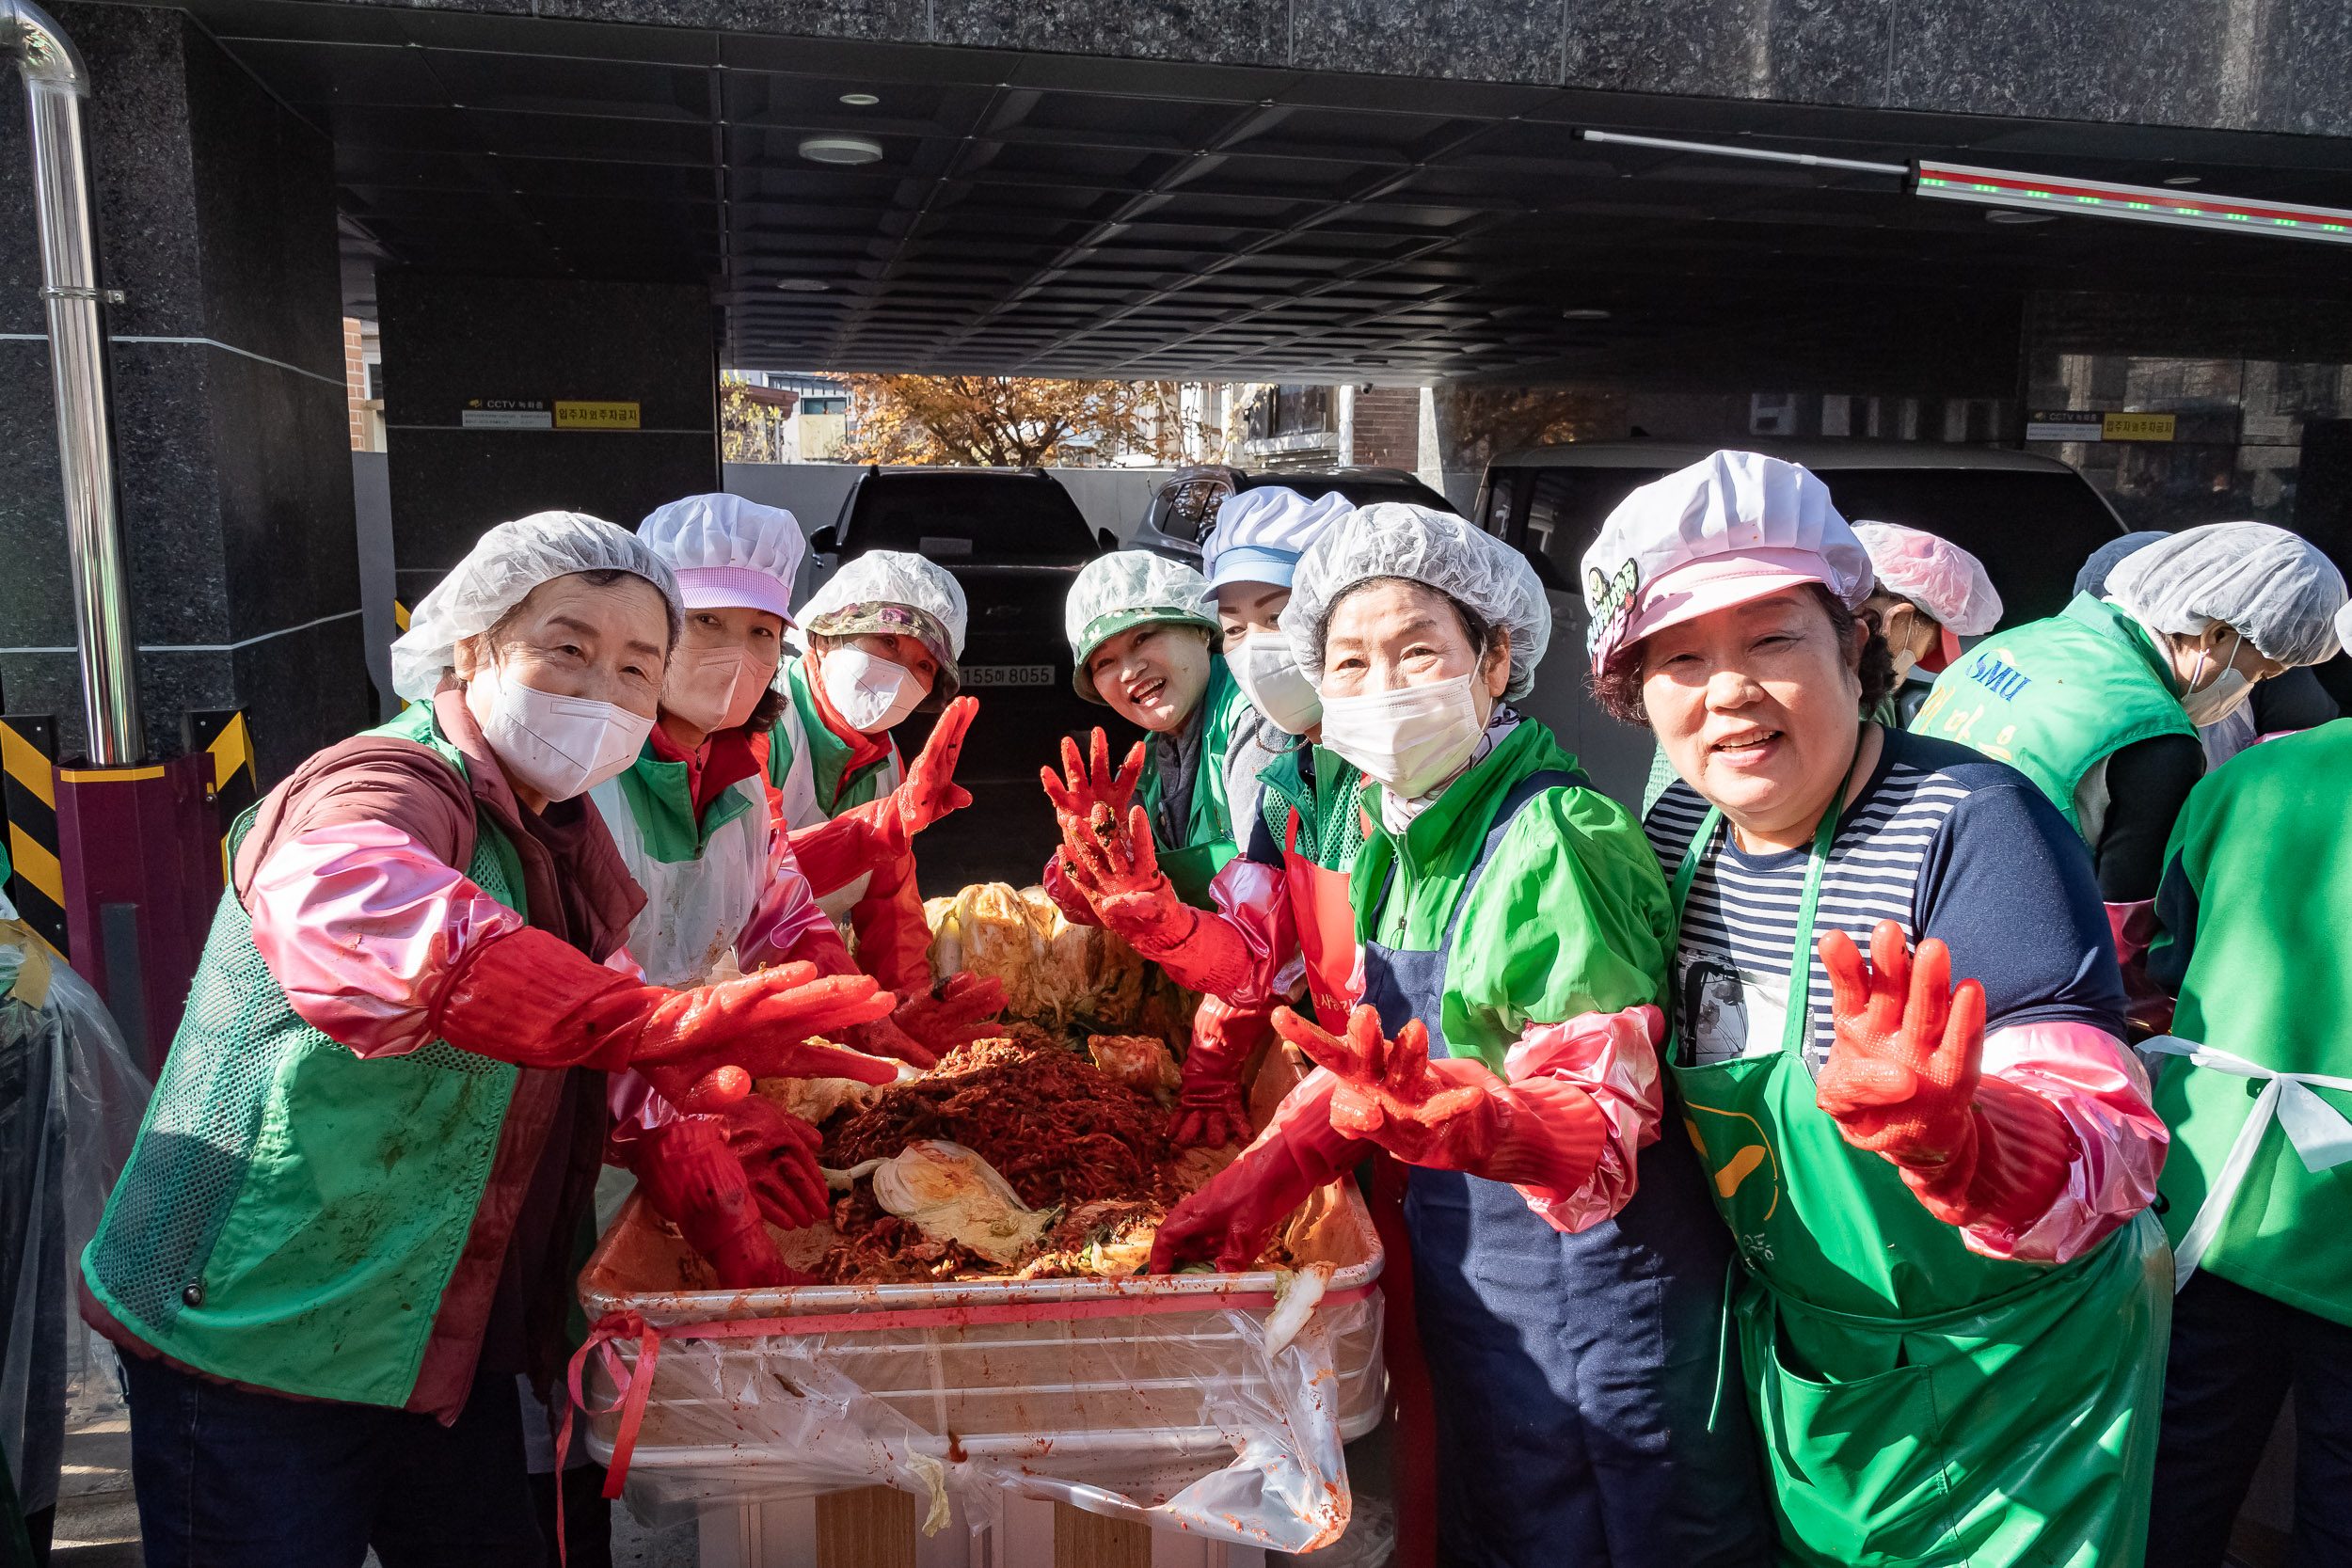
column 1030, row 1353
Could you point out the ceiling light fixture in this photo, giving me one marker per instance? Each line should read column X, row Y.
column 840, row 149
column 1584, row 315
column 859, row 99
column 803, row 285
column 1999, row 187
column 2182, row 179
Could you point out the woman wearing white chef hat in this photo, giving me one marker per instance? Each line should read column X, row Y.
column 1953, row 1300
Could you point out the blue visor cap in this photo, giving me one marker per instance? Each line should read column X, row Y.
column 1255, row 563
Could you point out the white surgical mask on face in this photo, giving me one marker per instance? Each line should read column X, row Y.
column 558, row 746
column 1271, row 679
column 2220, row 697
column 1412, row 738
column 871, row 693
column 715, row 689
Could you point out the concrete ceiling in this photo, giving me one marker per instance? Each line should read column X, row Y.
column 1066, row 215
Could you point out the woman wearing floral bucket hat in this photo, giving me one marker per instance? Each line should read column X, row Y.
column 1953, row 1303
column 880, row 641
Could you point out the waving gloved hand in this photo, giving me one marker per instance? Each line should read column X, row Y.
column 1450, row 1114
column 929, row 790
column 532, row 999
column 1089, row 783
column 1904, row 1080
column 1119, row 871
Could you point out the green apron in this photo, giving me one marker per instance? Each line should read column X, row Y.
column 1192, row 865
column 1919, row 1403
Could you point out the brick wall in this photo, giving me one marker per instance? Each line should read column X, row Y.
column 355, row 384
column 1388, row 427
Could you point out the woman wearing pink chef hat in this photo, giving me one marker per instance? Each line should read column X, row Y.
column 1953, row 1302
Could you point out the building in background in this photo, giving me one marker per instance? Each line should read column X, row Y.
column 363, row 383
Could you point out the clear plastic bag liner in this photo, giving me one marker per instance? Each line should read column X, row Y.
column 71, row 1104
column 1225, row 1420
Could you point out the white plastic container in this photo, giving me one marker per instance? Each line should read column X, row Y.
column 1195, row 1401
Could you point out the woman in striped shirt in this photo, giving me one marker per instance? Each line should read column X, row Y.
column 1954, row 1304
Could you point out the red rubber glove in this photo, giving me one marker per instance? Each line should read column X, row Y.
column 776, row 1148
column 1230, row 1220
column 1091, row 783
column 1904, row 1080
column 1450, row 1114
column 695, row 1181
column 1068, row 896
column 952, row 1014
column 1211, row 1112
column 534, row 1000
column 1118, row 872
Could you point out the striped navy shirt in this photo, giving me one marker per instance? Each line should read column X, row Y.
column 1944, row 841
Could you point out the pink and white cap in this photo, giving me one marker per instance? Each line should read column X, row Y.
column 1735, row 526
column 727, row 553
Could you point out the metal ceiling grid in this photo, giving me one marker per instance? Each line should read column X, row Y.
column 1062, row 216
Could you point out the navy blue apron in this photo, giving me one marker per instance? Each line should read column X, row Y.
column 1589, row 1404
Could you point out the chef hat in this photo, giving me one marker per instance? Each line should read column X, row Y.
column 1261, row 533
column 1733, row 527
column 727, row 551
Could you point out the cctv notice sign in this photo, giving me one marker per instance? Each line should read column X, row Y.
column 548, row 414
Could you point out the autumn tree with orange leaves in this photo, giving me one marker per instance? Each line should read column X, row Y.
column 1010, row 422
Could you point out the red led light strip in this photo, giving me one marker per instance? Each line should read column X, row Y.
column 1994, row 187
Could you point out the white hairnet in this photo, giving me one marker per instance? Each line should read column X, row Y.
column 1396, row 539
column 1123, row 590
column 727, row 551
column 501, row 569
column 893, row 577
column 1935, row 574
column 1262, row 532
column 2266, row 583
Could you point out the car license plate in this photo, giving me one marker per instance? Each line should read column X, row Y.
column 1008, row 674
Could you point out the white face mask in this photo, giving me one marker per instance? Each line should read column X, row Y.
column 1271, row 679
column 1412, row 738
column 2222, row 696
column 716, row 688
column 558, row 746
column 871, row 693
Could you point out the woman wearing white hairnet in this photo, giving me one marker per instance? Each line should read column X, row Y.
column 880, row 640
column 1930, row 593
column 1953, row 1299
column 2099, row 703
column 1512, row 935
column 348, row 1221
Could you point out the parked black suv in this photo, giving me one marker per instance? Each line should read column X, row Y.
column 1185, row 508
column 1016, row 542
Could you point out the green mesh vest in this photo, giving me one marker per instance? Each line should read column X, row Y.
column 291, row 1213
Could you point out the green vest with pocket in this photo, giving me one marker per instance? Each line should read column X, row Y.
column 291, row 1213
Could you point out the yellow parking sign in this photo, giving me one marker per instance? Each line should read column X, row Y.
column 594, row 416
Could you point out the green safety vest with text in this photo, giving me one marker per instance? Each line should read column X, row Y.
column 2053, row 698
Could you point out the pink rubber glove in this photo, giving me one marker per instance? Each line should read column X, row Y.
column 1904, row 1080
column 953, row 1013
column 1452, row 1114
column 531, row 999
column 1119, row 871
column 695, row 1181
column 1068, row 896
column 1211, row 1112
column 1232, row 1219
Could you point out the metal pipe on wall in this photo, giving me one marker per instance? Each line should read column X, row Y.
column 56, row 82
